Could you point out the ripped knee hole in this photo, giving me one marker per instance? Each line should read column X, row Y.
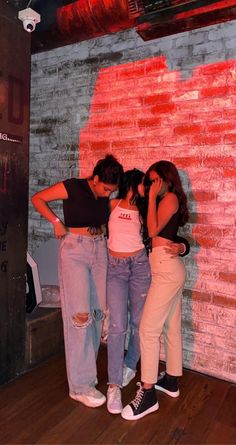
column 81, row 320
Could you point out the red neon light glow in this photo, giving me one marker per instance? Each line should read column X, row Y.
column 142, row 112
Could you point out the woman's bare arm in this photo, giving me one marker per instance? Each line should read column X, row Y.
column 40, row 202
column 158, row 218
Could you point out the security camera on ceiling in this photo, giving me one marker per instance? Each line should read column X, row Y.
column 30, row 18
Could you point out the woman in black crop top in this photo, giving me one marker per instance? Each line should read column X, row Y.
column 82, row 269
column 167, row 210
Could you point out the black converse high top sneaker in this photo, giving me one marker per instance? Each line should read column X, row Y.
column 145, row 402
column 168, row 384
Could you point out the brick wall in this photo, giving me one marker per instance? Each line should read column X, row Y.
column 173, row 98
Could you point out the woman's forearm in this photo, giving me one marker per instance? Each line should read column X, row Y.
column 43, row 208
column 152, row 217
column 41, row 199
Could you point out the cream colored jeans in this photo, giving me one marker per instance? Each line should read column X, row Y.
column 162, row 315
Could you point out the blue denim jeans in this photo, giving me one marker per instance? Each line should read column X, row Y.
column 128, row 280
column 82, row 275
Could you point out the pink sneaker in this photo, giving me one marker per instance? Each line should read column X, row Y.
column 114, row 404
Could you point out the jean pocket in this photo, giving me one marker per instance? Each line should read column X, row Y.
column 68, row 245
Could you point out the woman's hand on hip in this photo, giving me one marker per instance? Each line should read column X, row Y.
column 60, row 230
column 173, row 249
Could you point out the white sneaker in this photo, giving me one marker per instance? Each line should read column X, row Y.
column 92, row 398
column 114, row 404
column 128, row 375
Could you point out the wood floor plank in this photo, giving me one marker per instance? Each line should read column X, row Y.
column 203, row 421
column 36, row 409
column 188, row 421
column 223, row 430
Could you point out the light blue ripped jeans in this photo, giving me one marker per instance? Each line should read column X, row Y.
column 128, row 281
column 82, row 275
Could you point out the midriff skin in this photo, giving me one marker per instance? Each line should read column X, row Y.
column 123, row 254
column 84, row 231
column 158, row 241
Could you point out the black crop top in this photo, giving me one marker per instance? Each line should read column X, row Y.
column 82, row 209
column 171, row 228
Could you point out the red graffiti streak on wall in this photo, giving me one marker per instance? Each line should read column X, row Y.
column 4, row 172
column 12, row 92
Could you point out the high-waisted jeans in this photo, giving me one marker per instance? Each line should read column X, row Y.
column 82, row 275
column 128, row 281
column 162, row 315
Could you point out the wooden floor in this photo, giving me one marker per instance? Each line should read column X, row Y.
column 36, row 409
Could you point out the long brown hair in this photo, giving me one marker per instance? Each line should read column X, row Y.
column 169, row 173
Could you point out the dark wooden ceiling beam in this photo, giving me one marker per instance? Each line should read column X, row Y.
column 86, row 19
column 186, row 17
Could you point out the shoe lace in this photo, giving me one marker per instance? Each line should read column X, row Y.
column 139, row 395
column 115, row 393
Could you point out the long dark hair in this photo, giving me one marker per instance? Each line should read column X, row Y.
column 169, row 173
column 130, row 181
column 108, row 170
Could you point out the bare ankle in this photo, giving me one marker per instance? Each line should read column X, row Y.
column 148, row 385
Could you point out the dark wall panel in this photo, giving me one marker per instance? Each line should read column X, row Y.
column 14, row 160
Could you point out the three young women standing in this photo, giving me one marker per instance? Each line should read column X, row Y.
column 82, row 272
